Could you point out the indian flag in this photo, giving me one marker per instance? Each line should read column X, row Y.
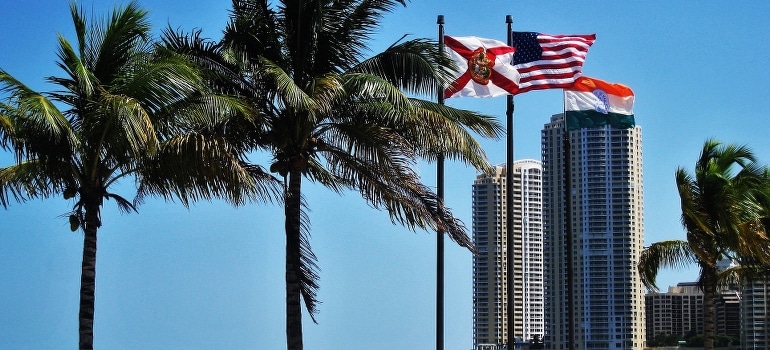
column 592, row 102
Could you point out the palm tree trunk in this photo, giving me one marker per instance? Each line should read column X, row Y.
column 709, row 308
column 292, row 207
column 88, row 278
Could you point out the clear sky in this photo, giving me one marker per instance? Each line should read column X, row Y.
column 211, row 277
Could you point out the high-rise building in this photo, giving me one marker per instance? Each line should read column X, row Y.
column 490, row 286
column 607, row 237
column 755, row 314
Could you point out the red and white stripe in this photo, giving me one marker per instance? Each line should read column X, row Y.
column 561, row 62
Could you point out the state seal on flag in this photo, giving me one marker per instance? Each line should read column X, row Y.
column 480, row 66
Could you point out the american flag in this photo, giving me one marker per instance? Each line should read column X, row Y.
column 549, row 61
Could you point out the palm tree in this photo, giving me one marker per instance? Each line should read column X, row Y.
column 337, row 119
column 125, row 104
column 722, row 214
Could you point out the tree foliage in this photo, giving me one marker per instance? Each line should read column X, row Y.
column 121, row 111
column 328, row 114
column 724, row 213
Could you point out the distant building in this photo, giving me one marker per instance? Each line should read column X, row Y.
column 490, row 276
column 755, row 314
column 728, row 320
column 606, row 198
column 679, row 311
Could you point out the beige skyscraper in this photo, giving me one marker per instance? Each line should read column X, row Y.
column 606, row 198
column 490, row 293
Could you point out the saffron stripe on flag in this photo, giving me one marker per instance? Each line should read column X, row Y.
column 591, row 102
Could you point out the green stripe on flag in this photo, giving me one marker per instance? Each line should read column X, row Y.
column 590, row 119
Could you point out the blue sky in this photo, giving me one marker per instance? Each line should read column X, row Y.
column 211, row 277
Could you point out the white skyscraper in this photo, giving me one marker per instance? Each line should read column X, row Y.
column 607, row 237
column 490, row 291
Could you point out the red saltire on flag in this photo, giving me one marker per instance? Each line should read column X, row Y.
column 549, row 61
column 484, row 67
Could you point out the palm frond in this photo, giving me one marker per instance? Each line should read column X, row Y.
column 317, row 172
column 327, row 91
column 125, row 206
column 342, row 30
column 210, row 113
column 219, row 66
column 732, row 155
column 385, row 178
column 256, row 29
column 81, row 80
column 308, row 268
column 123, row 126
column 665, row 254
column 193, row 167
column 440, row 130
column 81, row 31
column 371, row 88
column 292, row 95
column 6, row 126
column 372, row 143
column 40, row 130
column 39, row 112
column 699, row 230
column 415, row 66
column 160, row 78
column 24, row 181
column 118, row 43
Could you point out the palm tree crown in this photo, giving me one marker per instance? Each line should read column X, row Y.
column 119, row 113
column 722, row 213
column 330, row 116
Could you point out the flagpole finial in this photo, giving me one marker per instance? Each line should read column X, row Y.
column 440, row 19
column 508, row 19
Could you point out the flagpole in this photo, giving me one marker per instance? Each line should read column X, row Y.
column 439, row 231
column 568, row 232
column 509, row 202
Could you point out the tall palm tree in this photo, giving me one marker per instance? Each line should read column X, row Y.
column 337, row 119
column 124, row 104
column 722, row 213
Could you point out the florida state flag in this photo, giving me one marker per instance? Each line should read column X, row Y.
column 484, row 67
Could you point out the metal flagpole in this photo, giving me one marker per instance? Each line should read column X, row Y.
column 567, row 166
column 509, row 202
column 439, row 232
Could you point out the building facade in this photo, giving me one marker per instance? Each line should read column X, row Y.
column 607, row 237
column 678, row 312
column 490, row 274
column 728, row 320
column 755, row 314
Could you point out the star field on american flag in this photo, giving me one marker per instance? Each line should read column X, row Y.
column 527, row 48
